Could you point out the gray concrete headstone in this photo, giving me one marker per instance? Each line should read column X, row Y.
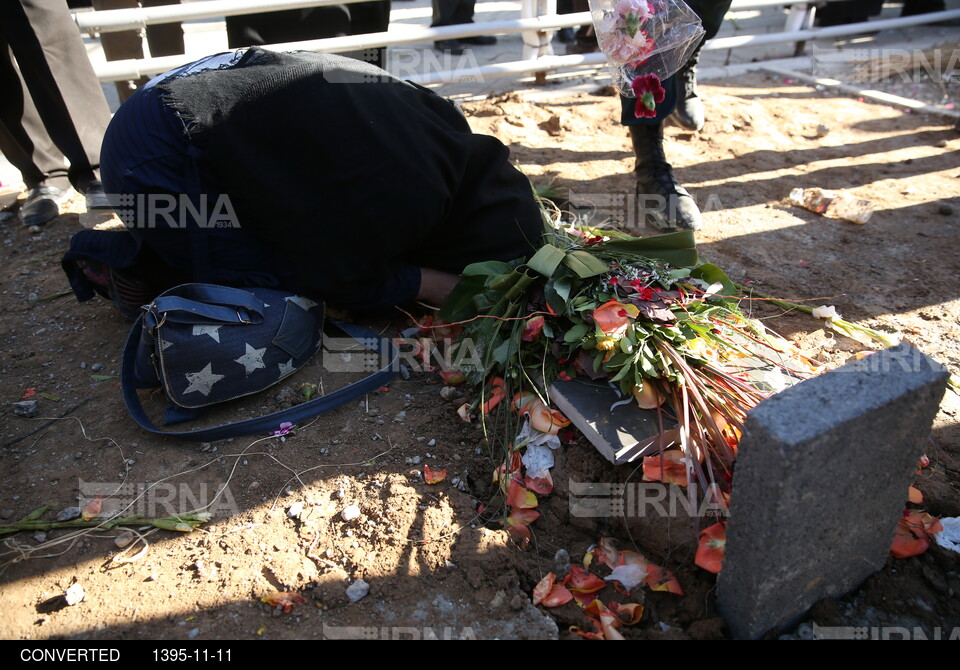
column 821, row 478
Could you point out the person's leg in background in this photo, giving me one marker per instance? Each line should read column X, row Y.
column 371, row 17
column 66, row 97
column 25, row 143
column 165, row 39
column 661, row 200
column 452, row 13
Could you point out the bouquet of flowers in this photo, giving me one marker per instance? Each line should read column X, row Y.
column 644, row 37
column 645, row 317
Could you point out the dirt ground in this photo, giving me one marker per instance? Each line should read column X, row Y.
column 432, row 566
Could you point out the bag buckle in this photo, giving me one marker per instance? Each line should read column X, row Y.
column 242, row 318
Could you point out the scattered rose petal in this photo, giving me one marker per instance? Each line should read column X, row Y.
column 667, row 467
column 495, row 395
column 914, row 496
column 543, row 588
column 433, row 476
column 542, row 485
column 452, row 377
column 559, row 595
column 711, row 547
column 661, row 579
column 285, row 600
column 519, row 497
column 92, row 509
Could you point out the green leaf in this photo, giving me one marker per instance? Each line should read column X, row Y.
column 53, row 398
column 576, row 333
column 503, row 352
column 678, row 249
column 624, row 371
column 626, row 346
column 546, row 260
column 562, row 286
column 547, row 330
column 486, row 268
column 712, row 274
column 460, row 305
column 35, row 514
column 584, row 264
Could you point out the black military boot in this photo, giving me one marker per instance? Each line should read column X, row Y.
column 661, row 201
column 689, row 111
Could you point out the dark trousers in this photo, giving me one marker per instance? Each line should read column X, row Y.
column 711, row 14
column 165, row 39
column 51, row 104
column 452, row 12
column 296, row 25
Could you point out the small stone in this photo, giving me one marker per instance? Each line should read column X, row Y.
column 74, row 594
column 123, row 539
column 400, row 417
column 253, row 486
column 193, row 633
column 516, row 603
column 96, row 367
column 83, row 366
column 7, row 513
column 561, row 563
column 152, row 577
column 26, row 408
column 412, row 460
column 40, row 536
column 34, row 230
column 350, row 513
column 295, row 510
column 68, row 514
column 359, row 589
column 805, row 631
column 205, row 446
column 942, row 144
column 945, row 210
column 448, row 393
column 822, row 130
column 432, row 443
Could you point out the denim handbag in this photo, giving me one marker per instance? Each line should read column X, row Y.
column 206, row 344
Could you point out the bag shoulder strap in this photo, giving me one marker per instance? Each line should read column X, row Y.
column 267, row 422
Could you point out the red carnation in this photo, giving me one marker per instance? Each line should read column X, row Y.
column 648, row 90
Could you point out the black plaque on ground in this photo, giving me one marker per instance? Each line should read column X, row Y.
column 624, row 432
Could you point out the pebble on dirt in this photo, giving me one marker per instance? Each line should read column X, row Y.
column 68, row 514
column 295, row 510
column 357, row 590
column 26, row 408
column 74, row 594
column 350, row 512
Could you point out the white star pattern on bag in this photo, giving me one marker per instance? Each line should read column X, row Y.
column 253, row 359
column 212, row 331
column 300, row 301
column 285, row 368
column 202, row 381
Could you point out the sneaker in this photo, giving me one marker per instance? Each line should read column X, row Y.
column 479, row 40
column 42, row 205
column 454, row 47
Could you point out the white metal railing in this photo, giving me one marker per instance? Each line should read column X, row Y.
column 537, row 54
